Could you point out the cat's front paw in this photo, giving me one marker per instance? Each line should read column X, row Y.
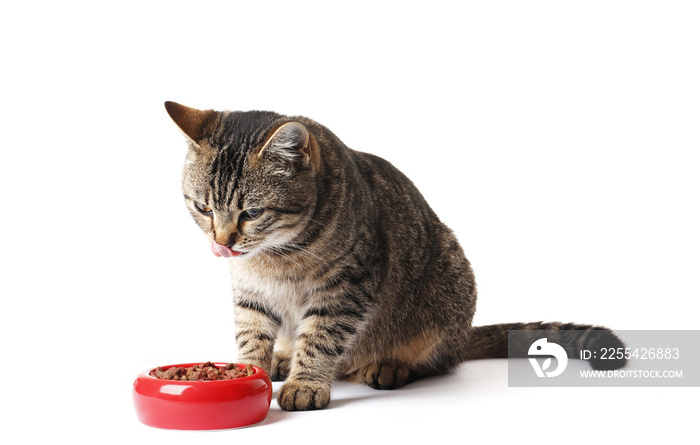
column 299, row 395
column 280, row 367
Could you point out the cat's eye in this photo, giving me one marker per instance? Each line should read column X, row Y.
column 251, row 214
column 202, row 208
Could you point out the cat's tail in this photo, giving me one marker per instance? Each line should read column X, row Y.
column 491, row 341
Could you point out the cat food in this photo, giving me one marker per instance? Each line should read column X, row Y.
column 205, row 371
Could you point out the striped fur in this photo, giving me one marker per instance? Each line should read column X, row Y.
column 347, row 273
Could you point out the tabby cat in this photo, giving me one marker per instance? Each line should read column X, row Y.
column 340, row 268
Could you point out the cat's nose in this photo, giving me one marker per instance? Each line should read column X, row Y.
column 225, row 238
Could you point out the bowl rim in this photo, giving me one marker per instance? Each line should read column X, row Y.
column 147, row 374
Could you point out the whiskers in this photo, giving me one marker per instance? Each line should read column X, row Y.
column 291, row 253
column 288, row 256
column 270, row 258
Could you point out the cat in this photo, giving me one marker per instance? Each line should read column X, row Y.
column 339, row 267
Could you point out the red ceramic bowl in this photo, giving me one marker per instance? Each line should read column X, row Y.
column 202, row 405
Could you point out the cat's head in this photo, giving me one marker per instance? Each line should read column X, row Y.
column 249, row 178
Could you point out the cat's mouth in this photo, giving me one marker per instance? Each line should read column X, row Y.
column 224, row 251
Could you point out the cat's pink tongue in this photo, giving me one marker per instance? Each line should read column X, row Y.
column 223, row 251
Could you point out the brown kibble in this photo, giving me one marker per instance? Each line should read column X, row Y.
column 205, row 371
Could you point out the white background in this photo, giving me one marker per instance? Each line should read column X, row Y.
column 558, row 139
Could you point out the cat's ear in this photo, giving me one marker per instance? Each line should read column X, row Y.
column 194, row 123
column 289, row 142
